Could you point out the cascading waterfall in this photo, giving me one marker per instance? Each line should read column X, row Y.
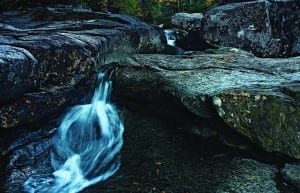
column 171, row 40
column 86, row 148
column 171, row 37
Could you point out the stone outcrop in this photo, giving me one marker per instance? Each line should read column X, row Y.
column 49, row 56
column 257, row 98
column 187, row 21
column 266, row 28
column 187, row 27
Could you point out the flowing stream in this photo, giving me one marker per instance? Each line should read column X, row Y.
column 86, row 147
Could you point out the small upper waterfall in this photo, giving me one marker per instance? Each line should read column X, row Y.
column 171, row 40
column 171, row 37
column 86, row 148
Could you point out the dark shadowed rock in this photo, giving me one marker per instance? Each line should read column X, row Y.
column 258, row 98
column 291, row 174
column 266, row 28
column 6, row 5
column 18, row 71
column 49, row 57
column 46, row 103
column 28, row 154
column 188, row 27
column 249, row 176
column 152, row 143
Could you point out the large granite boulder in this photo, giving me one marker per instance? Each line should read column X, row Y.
column 258, row 98
column 266, row 28
column 49, row 56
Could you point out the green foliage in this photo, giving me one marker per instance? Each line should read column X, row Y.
column 152, row 11
column 198, row 5
column 130, row 7
column 93, row 4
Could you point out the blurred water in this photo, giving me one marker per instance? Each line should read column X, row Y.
column 86, row 147
column 171, row 37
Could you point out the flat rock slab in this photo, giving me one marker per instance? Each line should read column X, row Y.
column 258, row 98
column 47, row 53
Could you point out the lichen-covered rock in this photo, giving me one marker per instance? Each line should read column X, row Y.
column 291, row 174
column 18, row 71
column 46, row 103
column 270, row 120
column 49, row 56
column 258, row 98
column 266, row 28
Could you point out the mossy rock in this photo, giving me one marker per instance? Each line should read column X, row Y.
column 270, row 121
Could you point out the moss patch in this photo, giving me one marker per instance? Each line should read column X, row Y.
column 270, row 121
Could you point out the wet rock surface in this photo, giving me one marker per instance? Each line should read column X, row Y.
column 25, row 153
column 257, row 98
column 156, row 157
column 49, row 56
column 275, row 34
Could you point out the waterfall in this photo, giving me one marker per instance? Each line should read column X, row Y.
column 171, row 37
column 86, row 148
column 171, row 41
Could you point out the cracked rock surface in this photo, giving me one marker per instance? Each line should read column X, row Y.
column 258, row 98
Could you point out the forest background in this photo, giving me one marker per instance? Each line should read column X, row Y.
column 152, row 11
